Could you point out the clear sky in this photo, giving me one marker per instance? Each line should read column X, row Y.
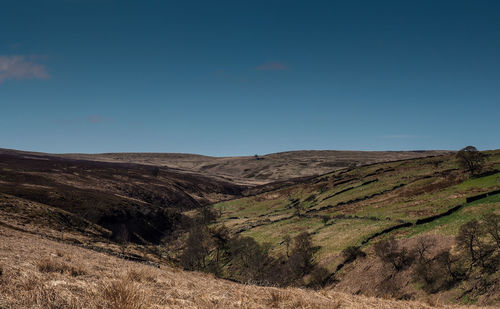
column 247, row 77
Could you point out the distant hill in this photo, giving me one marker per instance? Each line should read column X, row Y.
column 253, row 170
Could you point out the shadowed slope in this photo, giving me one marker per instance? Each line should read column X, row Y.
column 137, row 200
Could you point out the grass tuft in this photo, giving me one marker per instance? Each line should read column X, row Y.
column 49, row 265
column 141, row 275
column 123, row 294
column 276, row 298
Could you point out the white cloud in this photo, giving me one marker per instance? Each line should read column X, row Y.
column 18, row 67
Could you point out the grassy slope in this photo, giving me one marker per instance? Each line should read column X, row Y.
column 429, row 186
column 41, row 273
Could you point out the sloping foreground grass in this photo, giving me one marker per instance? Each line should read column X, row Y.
column 39, row 273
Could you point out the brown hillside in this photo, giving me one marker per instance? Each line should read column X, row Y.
column 145, row 203
column 251, row 170
column 39, row 273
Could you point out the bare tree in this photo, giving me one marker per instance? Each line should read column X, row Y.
column 221, row 237
column 198, row 248
column 121, row 235
column 423, row 248
column 301, row 256
column 390, row 252
column 251, row 261
column 478, row 251
column 492, row 227
column 206, row 215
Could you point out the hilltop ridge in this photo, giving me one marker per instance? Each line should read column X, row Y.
column 249, row 170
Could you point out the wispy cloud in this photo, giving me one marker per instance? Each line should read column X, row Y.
column 272, row 66
column 20, row 67
column 95, row 119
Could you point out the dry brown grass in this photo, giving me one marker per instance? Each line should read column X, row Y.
column 49, row 265
column 141, row 274
column 36, row 276
column 123, row 294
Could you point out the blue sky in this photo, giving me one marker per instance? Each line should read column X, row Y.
column 245, row 77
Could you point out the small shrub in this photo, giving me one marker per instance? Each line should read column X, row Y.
column 351, row 253
column 318, row 277
column 433, row 273
column 155, row 172
column 389, row 288
column 325, row 219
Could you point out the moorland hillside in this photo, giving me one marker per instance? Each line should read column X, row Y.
column 394, row 230
column 251, row 170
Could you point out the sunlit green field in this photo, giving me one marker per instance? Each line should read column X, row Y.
column 345, row 207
